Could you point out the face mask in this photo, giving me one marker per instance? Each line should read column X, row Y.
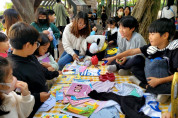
column 11, row 86
column 42, row 21
column 121, row 13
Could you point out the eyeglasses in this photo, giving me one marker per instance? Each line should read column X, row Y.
column 38, row 44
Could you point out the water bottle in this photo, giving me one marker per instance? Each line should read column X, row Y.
column 55, row 53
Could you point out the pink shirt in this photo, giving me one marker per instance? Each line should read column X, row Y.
column 3, row 55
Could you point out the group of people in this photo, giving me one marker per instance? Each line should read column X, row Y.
column 152, row 65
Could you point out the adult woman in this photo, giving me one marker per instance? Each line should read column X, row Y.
column 11, row 16
column 127, row 11
column 72, row 37
column 120, row 12
column 42, row 24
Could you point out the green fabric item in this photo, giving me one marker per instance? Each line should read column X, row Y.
column 61, row 14
column 134, row 93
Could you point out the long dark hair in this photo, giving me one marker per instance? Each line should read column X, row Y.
column 86, row 30
column 5, row 66
column 41, row 11
column 11, row 16
column 44, row 40
column 169, row 3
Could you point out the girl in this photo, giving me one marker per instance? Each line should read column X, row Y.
column 4, row 45
column 74, row 33
column 112, row 32
column 11, row 104
column 127, row 11
column 11, row 16
column 42, row 24
column 120, row 13
column 45, row 58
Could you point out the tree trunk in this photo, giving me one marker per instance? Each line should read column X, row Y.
column 108, row 8
column 146, row 11
column 26, row 9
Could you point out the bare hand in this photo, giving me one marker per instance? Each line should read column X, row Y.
column 23, row 87
column 75, row 57
column 46, row 64
column 46, row 32
column 121, row 61
column 50, row 37
column 166, row 115
column 110, row 59
column 51, row 69
column 111, row 42
column 60, row 72
column 94, row 28
column 44, row 96
column 153, row 81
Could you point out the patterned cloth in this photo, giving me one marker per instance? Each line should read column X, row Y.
column 119, row 79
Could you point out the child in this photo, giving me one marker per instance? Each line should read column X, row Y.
column 161, row 59
column 51, row 15
column 120, row 12
column 24, row 40
column 46, row 59
column 42, row 24
column 4, row 45
column 95, row 16
column 93, row 28
column 127, row 38
column 112, row 32
column 11, row 104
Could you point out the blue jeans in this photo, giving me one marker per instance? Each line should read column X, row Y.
column 65, row 58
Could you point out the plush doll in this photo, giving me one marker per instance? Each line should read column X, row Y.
column 94, row 45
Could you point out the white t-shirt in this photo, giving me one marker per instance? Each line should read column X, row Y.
column 168, row 13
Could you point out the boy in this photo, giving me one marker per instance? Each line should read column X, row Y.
column 24, row 40
column 127, row 38
column 51, row 16
column 162, row 52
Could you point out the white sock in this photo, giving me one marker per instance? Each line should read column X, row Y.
column 111, row 68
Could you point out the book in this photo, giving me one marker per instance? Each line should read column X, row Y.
column 77, row 102
column 85, row 109
column 55, row 115
column 79, row 90
column 44, row 58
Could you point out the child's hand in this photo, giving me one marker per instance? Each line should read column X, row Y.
column 121, row 61
column 44, row 96
column 51, row 69
column 166, row 115
column 110, row 59
column 94, row 28
column 110, row 42
column 46, row 64
column 23, row 87
column 153, row 81
column 46, row 32
column 50, row 37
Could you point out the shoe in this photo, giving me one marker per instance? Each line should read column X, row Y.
column 111, row 68
column 134, row 80
column 123, row 72
column 162, row 98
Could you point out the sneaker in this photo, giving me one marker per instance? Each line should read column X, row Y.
column 123, row 72
column 162, row 98
column 134, row 80
column 111, row 68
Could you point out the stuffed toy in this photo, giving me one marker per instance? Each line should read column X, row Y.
column 94, row 45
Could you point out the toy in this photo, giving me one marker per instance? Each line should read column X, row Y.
column 94, row 60
column 106, row 61
column 107, row 76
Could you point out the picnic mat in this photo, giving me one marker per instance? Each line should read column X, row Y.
column 59, row 83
